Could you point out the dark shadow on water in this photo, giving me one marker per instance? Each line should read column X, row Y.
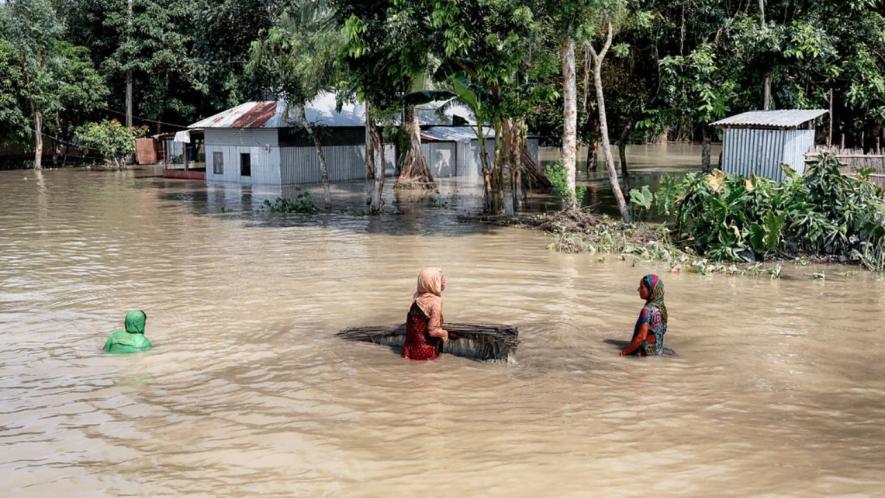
column 621, row 344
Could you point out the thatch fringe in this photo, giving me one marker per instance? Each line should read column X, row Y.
column 482, row 342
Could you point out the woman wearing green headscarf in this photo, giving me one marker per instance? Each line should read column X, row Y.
column 132, row 339
column 648, row 334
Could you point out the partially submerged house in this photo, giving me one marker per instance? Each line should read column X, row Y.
column 758, row 142
column 262, row 142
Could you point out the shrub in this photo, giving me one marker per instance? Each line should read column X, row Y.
column 302, row 203
column 559, row 180
column 823, row 213
column 110, row 140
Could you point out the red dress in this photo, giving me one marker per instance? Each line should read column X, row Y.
column 419, row 344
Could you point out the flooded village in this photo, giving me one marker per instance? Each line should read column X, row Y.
column 649, row 242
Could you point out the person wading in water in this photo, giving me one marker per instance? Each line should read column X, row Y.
column 648, row 333
column 424, row 333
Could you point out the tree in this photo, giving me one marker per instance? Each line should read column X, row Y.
column 709, row 88
column 365, row 60
column 293, row 60
column 111, row 140
column 598, row 58
column 148, row 54
column 54, row 75
column 491, row 54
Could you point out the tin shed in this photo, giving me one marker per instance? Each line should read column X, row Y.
column 758, row 142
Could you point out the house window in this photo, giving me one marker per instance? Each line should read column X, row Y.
column 218, row 163
column 245, row 164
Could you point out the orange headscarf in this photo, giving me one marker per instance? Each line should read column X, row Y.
column 430, row 287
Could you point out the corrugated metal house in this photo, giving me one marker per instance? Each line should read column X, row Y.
column 258, row 143
column 454, row 150
column 758, row 142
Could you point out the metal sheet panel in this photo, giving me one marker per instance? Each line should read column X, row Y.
column 440, row 158
column 299, row 165
column 750, row 151
column 785, row 118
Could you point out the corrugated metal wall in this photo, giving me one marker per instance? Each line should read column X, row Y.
column 300, row 164
column 462, row 159
column 441, row 158
column 747, row 151
column 798, row 143
column 264, row 163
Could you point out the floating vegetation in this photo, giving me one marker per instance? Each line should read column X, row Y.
column 302, row 203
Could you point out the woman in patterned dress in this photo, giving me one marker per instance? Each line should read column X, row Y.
column 424, row 333
column 648, row 333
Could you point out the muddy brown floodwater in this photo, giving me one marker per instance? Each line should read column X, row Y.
column 778, row 389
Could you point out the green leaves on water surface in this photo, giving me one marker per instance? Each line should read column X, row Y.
column 302, row 203
column 727, row 217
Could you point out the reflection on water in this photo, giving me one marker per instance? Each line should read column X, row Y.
column 647, row 163
column 777, row 388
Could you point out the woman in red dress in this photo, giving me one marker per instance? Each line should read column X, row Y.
column 424, row 333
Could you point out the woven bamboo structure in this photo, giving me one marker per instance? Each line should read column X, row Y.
column 481, row 342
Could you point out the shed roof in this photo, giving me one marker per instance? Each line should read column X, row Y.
column 453, row 133
column 787, row 118
column 321, row 111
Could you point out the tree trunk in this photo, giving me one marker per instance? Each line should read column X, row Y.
column 377, row 144
column 38, row 140
column 830, row 132
column 766, row 84
column 570, row 116
column 603, row 127
column 766, row 91
column 321, row 157
column 414, row 171
column 516, row 151
column 487, row 198
column 592, row 155
column 587, row 71
column 129, row 73
column 370, row 146
column 507, row 156
column 622, row 148
column 705, row 150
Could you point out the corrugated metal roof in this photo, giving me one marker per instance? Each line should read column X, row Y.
column 453, row 133
column 321, row 111
column 787, row 118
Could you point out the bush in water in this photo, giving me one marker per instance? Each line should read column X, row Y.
column 559, row 180
column 302, row 203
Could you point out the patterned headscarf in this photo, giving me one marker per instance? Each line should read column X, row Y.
column 655, row 287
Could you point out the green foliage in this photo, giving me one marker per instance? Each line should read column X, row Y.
column 642, row 199
column 110, row 140
column 558, row 177
column 822, row 213
column 41, row 73
column 302, row 203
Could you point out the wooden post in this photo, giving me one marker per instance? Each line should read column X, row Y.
column 842, row 146
column 878, row 146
